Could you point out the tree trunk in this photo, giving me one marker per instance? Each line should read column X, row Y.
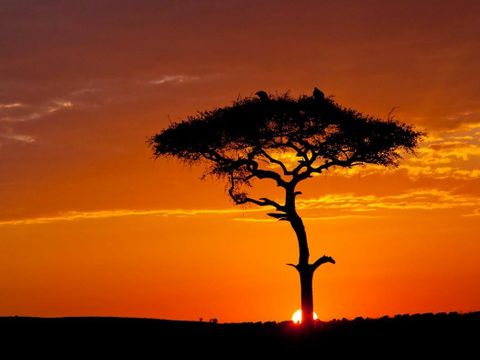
column 304, row 268
column 306, row 288
column 305, row 271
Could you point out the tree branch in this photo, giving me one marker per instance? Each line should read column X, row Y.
column 267, row 174
column 243, row 199
column 253, row 167
column 307, row 162
column 300, row 152
column 276, row 161
column 249, row 163
column 324, row 166
column 322, row 260
column 320, row 168
column 301, row 164
column 281, row 216
column 264, row 202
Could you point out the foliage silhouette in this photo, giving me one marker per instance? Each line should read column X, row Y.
column 286, row 140
column 406, row 335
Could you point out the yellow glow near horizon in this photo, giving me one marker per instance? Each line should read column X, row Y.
column 297, row 316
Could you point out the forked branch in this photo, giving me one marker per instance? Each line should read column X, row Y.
column 323, row 260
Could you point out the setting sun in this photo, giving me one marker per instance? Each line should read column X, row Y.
column 297, row 316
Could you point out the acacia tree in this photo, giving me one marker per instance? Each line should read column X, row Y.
column 285, row 140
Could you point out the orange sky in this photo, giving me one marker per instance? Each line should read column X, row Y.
column 91, row 225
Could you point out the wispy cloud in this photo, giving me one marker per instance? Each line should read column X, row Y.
column 105, row 214
column 173, row 79
column 462, row 115
column 11, row 105
column 251, row 219
column 452, row 154
column 86, row 90
column 422, row 199
column 354, row 205
column 14, row 113
column 36, row 112
column 8, row 134
column 19, row 137
column 475, row 212
column 312, row 218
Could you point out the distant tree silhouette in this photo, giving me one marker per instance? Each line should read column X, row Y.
column 285, row 140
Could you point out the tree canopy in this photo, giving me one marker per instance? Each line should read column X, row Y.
column 244, row 140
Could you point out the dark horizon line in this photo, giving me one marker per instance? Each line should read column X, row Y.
column 208, row 321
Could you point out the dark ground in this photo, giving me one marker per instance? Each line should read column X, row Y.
column 407, row 336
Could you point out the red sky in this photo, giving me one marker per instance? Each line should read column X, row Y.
column 91, row 225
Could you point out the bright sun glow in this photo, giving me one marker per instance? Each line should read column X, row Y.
column 297, row 316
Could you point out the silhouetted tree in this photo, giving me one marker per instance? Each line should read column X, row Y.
column 243, row 142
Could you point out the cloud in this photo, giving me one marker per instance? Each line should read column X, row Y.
column 36, row 112
column 91, row 93
column 106, row 214
column 19, row 137
column 173, row 79
column 422, row 199
column 11, row 105
column 86, row 90
column 7, row 133
column 475, row 212
column 250, row 219
column 462, row 116
column 452, row 154
column 20, row 113
column 350, row 205
column 313, row 218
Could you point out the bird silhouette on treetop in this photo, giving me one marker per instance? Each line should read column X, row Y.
column 262, row 95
